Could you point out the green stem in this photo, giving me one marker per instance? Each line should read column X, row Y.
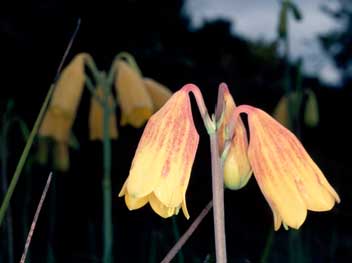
column 24, row 155
column 268, row 245
column 34, row 131
column 217, row 174
column 106, row 185
column 153, row 247
column 218, row 200
column 177, row 237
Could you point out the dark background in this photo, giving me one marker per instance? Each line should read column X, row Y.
column 33, row 37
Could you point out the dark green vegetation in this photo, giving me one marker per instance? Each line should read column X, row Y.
column 157, row 34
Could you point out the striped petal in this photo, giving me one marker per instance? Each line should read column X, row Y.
column 289, row 179
column 163, row 161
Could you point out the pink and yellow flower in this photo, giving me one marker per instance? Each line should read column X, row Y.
column 288, row 177
column 162, row 164
column 237, row 170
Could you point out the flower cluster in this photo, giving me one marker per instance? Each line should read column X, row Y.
column 289, row 108
column 289, row 179
column 137, row 97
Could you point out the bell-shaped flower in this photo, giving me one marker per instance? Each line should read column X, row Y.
column 61, row 157
column 288, row 108
column 311, row 111
column 157, row 92
column 61, row 113
column 288, row 177
column 96, row 116
column 162, row 163
column 135, row 103
column 59, row 118
column 237, row 170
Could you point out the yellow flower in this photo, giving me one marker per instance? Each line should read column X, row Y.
column 287, row 176
column 162, row 164
column 59, row 118
column 158, row 93
column 311, row 111
column 237, row 170
column 61, row 157
column 295, row 100
column 285, row 115
column 96, row 116
column 134, row 100
column 61, row 113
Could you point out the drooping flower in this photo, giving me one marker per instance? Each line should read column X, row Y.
column 96, row 116
column 311, row 111
column 237, row 170
column 134, row 100
column 61, row 156
column 162, row 164
column 288, row 177
column 59, row 118
column 288, row 108
column 158, row 93
column 61, row 113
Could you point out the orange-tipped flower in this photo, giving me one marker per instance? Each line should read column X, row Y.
column 96, row 116
column 58, row 120
column 237, row 169
column 157, row 92
column 162, row 164
column 135, row 102
column 287, row 176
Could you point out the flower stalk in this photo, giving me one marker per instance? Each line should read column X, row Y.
column 107, row 231
column 106, row 185
column 36, row 126
column 217, row 177
column 218, row 200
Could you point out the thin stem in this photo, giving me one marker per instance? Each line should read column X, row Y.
column 106, row 184
column 24, row 155
column 217, row 174
column 35, row 219
column 218, row 199
column 153, row 247
column 268, row 245
column 176, row 233
column 92, row 90
column 34, row 131
column 172, row 253
column 130, row 60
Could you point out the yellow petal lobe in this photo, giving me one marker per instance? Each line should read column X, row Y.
column 135, row 103
column 289, row 179
column 157, row 92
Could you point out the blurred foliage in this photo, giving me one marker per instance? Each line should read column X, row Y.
column 338, row 42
